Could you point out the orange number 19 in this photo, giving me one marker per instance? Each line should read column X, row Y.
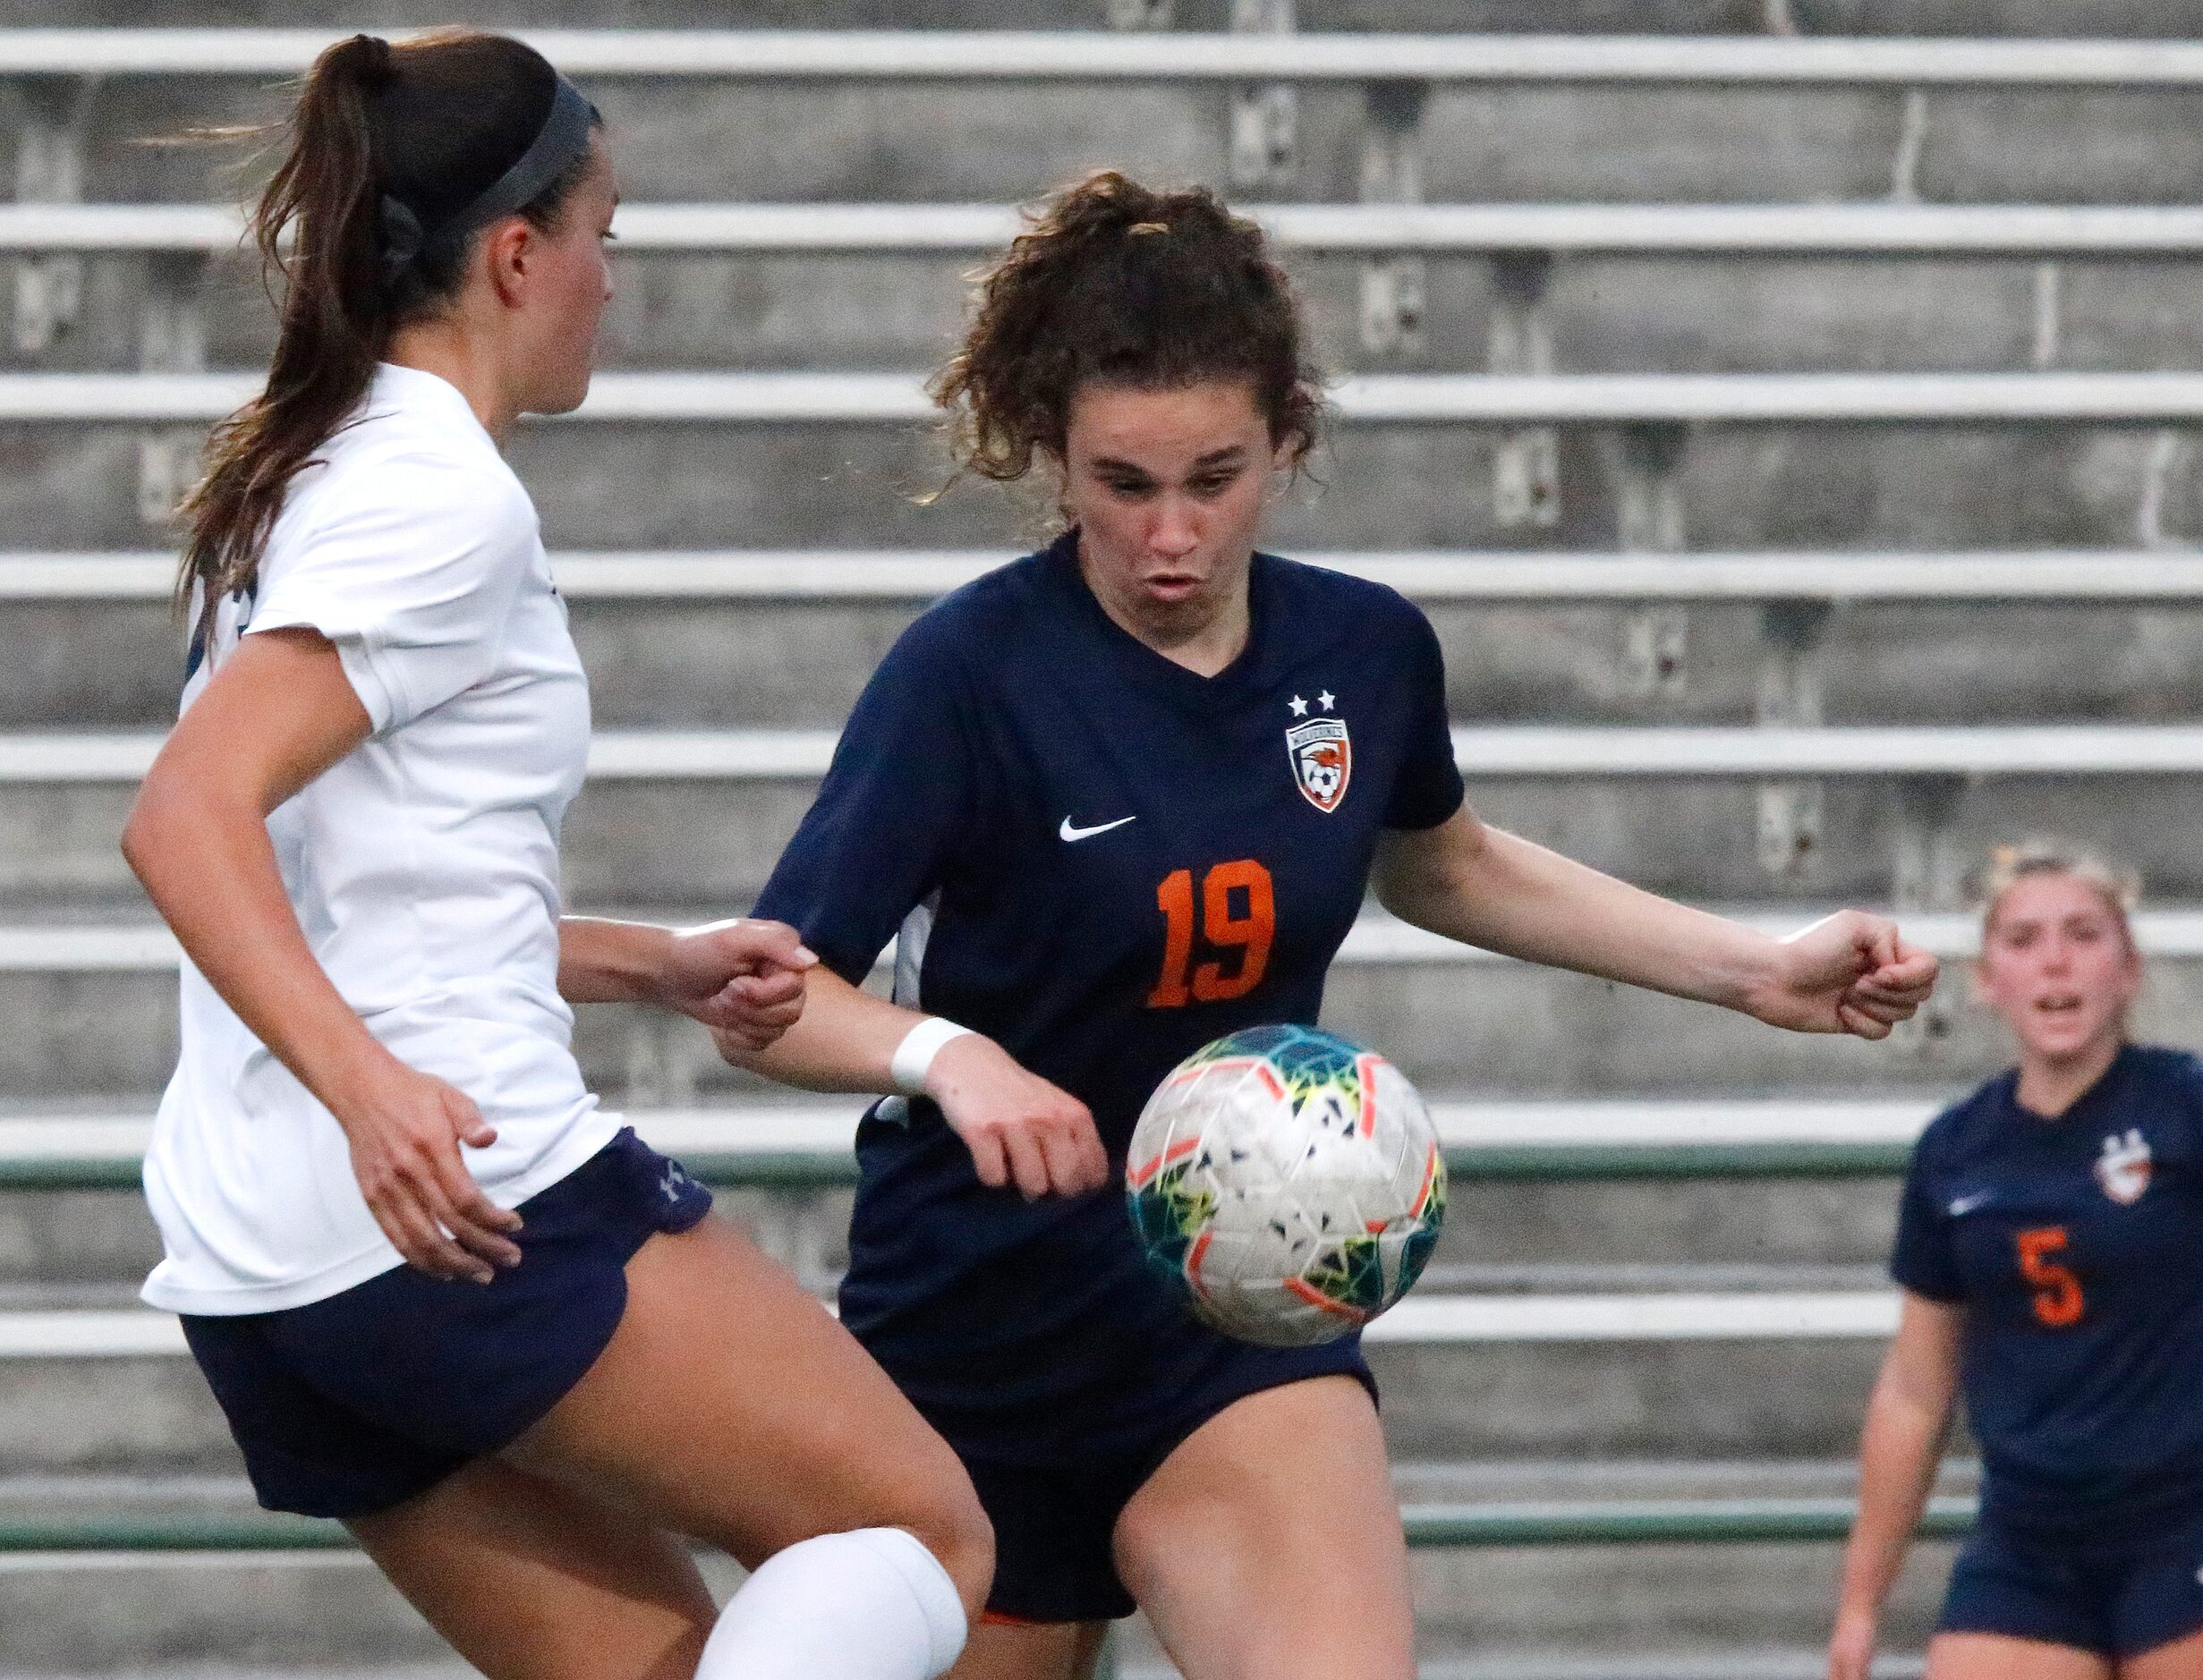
column 1222, row 925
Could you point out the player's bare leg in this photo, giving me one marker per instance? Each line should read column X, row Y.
column 1234, row 1549
column 531, row 1582
column 1044, row 1650
column 1994, row 1657
column 729, row 1406
column 2182, row 1660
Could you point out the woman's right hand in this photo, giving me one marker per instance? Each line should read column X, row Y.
column 406, row 1128
column 1850, row 1651
column 1019, row 1128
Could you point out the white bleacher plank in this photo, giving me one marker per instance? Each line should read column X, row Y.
column 1899, row 749
column 1376, row 940
column 794, row 398
column 1422, row 1321
column 2070, row 576
column 67, row 948
column 138, row 1333
column 690, row 753
column 1507, row 750
column 124, row 1333
column 825, row 574
column 1878, row 229
column 957, row 54
column 1787, row 398
column 1741, row 229
column 119, row 228
column 90, row 576
column 77, row 756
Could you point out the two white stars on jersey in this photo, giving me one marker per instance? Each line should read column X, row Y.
column 1326, row 699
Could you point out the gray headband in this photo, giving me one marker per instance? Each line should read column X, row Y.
column 562, row 138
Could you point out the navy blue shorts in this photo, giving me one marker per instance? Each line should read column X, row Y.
column 352, row 1404
column 1054, row 1524
column 2115, row 1593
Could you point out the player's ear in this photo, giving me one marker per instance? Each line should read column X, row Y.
column 508, row 248
column 1057, row 471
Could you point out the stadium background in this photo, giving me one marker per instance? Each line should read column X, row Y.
column 1737, row 630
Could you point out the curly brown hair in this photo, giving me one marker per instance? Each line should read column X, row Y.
column 1122, row 283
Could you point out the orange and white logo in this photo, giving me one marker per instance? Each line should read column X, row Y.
column 1322, row 761
column 2124, row 1168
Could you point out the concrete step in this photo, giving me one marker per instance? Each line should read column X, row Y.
column 1507, row 1233
column 1523, row 1612
column 1657, row 1368
column 75, row 1033
column 612, row 485
column 1739, row 314
column 2105, row 18
column 1799, row 1232
column 712, row 843
column 1709, row 1398
column 696, row 139
column 700, row 663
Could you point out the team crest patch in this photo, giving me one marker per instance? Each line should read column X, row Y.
column 1322, row 761
column 2124, row 1168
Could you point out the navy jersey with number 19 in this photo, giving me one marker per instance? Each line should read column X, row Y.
column 1101, row 861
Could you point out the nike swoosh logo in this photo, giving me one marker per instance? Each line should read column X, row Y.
column 1965, row 1205
column 1068, row 833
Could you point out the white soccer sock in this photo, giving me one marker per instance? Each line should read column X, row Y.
column 872, row 1604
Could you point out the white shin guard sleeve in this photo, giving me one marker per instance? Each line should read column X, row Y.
column 872, row 1604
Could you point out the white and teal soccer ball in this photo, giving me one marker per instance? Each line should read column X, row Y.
column 1289, row 1183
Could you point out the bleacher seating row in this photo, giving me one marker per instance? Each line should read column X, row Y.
column 1491, row 577
column 1706, row 230
column 1080, row 55
column 1400, row 399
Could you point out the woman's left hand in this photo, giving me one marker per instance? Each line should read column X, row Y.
column 1848, row 972
column 740, row 977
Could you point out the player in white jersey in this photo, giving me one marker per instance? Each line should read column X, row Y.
column 440, row 1294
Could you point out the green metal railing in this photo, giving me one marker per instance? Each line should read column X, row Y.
column 799, row 1169
column 1611, row 1522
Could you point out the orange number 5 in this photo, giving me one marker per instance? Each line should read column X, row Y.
column 1250, row 933
column 2058, row 1299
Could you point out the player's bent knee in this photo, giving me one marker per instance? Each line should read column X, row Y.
column 962, row 1541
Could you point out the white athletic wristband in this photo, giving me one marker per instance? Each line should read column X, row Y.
column 913, row 1057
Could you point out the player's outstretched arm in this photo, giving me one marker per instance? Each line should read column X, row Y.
column 1020, row 1129
column 1850, row 972
column 1908, row 1419
column 740, row 977
column 278, row 713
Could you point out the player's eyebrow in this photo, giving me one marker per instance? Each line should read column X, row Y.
column 1230, row 455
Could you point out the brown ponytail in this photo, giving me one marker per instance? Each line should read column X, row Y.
column 1121, row 284
column 384, row 142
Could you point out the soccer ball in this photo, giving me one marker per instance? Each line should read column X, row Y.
column 1288, row 1182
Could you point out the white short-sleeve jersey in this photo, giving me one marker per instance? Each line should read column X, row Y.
column 424, row 865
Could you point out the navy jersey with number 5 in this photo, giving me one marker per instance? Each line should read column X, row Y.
column 2076, row 1246
column 1102, row 861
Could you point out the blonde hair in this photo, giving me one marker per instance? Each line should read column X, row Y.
column 2119, row 888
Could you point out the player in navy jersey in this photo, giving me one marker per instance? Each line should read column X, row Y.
column 1120, row 798
column 2050, row 1250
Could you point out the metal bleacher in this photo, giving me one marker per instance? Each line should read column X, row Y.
column 1576, row 399
column 1608, row 1134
